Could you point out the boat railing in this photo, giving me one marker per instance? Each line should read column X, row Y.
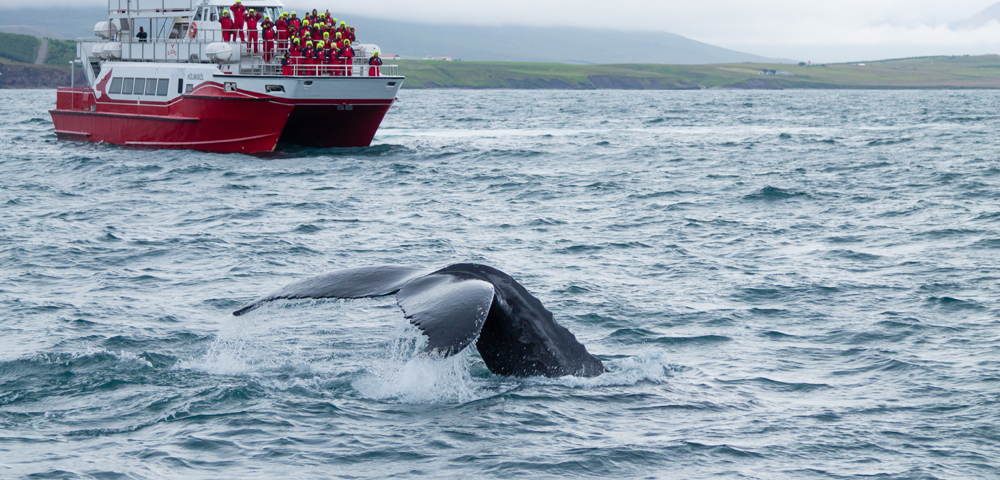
column 248, row 57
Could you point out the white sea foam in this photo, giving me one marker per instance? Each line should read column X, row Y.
column 244, row 345
column 404, row 374
column 648, row 366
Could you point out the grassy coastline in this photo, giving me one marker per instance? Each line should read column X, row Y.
column 965, row 72
column 961, row 72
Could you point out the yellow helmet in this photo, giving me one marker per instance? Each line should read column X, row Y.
column 343, row 24
column 347, row 42
column 225, row 13
column 334, row 21
column 296, row 40
column 340, row 35
column 305, row 22
column 293, row 12
column 310, row 42
column 320, row 44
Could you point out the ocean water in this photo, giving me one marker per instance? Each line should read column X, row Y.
column 783, row 285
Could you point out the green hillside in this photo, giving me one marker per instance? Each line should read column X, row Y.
column 60, row 52
column 926, row 72
column 19, row 48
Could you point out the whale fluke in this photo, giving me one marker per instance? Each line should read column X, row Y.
column 459, row 304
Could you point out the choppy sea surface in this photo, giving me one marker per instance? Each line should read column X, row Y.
column 783, row 285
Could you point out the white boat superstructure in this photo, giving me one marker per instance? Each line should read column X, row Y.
column 188, row 72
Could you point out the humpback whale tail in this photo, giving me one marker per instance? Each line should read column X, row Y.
column 459, row 304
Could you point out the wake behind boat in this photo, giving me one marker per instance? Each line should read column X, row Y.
column 188, row 84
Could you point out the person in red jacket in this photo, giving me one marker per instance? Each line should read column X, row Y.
column 252, row 19
column 286, row 65
column 296, row 21
column 239, row 15
column 375, row 62
column 328, row 49
column 351, row 35
column 281, row 26
column 227, row 26
column 295, row 55
column 308, row 55
column 348, row 58
column 343, row 31
column 340, row 41
column 268, row 34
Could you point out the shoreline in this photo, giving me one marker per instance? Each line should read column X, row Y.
column 923, row 73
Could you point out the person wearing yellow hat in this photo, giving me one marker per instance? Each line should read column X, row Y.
column 347, row 56
column 252, row 18
column 374, row 63
column 239, row 15
column 227, row 26
column 309, row 58
column 295, row 52
column 327, row 56
column 340, row 40
column 281, row 28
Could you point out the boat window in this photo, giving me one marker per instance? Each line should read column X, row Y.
column 197, row 16
column 215, row 14
column 116, row 86
column 140, row 86
column 151, row 86
column 180, row 85
column 161, row 88
column 127, row 86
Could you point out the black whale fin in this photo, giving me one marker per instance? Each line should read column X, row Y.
column 360, row 282
column 449, row 309
column 459, row 304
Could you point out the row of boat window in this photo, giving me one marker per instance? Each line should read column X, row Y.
column 139, row 86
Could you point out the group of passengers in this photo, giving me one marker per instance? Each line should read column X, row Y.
column 314, row 44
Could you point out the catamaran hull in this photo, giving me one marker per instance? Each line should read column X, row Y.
column 214, row 124
column 201, row 109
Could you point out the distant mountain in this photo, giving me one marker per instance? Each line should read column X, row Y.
column 539, row 44
column 412, row 40
column 979, row 19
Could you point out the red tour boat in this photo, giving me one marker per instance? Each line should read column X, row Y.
column 186, row 87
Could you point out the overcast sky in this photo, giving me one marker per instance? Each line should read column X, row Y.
column 822, row 31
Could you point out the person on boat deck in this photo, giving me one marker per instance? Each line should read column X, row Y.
column 295, row 53
column 286, row 65
column 239, row 15
column 141, row 35
column 320, row 58
column 315, row 15
column 347, row 54
column 328, row 14
column 295, row 21
column 328, row 58
column 343, row 31
column 281, row 26
column 252, row 19
column 307, row 57
column 227, row 26
column 375, row 62
column 305, row 30
column 340, row 41
column 352, row 37
column 267, row 32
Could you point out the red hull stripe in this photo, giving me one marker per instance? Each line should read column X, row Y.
column 135, row 116
column 72, row 134
column 197, row 144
